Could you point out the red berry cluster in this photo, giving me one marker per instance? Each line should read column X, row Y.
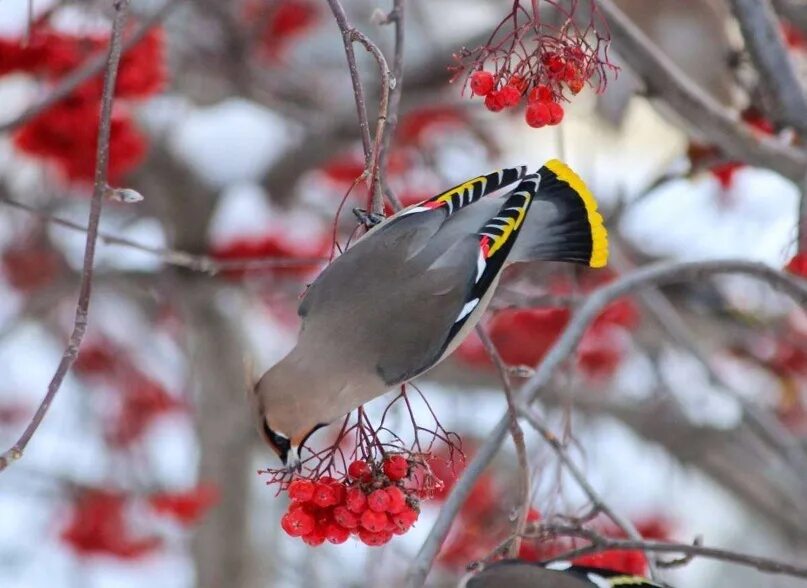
column 372, row 503
column 544, row 92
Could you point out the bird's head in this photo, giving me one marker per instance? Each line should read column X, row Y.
column 282, row 420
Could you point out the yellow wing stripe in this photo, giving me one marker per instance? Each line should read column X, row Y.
column 507, row 230
column 627, row 581
column 599, row 236
column 469, row 185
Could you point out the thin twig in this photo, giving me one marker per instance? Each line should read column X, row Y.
column 762, row 32
column 597, row 502
column 600, row 543
column 199, row 263
column 372, row 152
column 656, row 274
column 669, row 83
column 99, row 189
column 518, row 440
column 395, row 16
column 92, row 67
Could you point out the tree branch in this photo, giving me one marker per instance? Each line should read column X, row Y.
column 778, row 81
column 99, row 189
column 597, row 502
column 518, row 440
column 199, row 263
column 690, row 102
column 657, row 274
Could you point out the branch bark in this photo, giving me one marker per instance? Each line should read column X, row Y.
column 668, row 83
column 763, row 38
column 85, row 288
column 663, row 273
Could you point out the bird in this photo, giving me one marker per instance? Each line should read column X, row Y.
column 515, row 573
column 406, row 294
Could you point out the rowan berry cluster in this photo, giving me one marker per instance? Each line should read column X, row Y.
column 373, row 502
column 560, row 73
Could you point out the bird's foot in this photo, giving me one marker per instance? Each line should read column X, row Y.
column 368, row 219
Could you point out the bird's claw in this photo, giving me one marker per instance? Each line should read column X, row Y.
column 368, row 219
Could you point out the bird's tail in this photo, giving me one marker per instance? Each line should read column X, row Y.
column 563, row 223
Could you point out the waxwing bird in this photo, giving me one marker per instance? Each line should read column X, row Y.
column 559, row 574
column 407, row 293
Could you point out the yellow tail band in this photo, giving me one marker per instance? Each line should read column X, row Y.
column 599, row 236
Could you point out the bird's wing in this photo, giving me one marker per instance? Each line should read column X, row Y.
column 561, row 574
column 400, row 296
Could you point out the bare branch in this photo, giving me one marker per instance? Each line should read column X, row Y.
column 518, row 440
column 600, row 543
column 690, row 102
column 657, row 274
column 597, row 502
column 395, row 16
column 199, row 263
column 99, row 189
column 766, row 44
column 91, row 68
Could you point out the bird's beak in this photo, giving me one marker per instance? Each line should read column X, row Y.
column 292, row 460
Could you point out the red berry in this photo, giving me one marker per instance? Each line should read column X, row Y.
column 336, row 534
column 555, row 65
column 555, row 113
column 538, row 115
column 374, row 539
column 325, row 494
column 493, row 101
column 518, row 83
column 482, row 83
column 339, row 489
column 301, row 490
column 509, row 96
column 374, row 521
column 396, row 467
column 345, row 518
column 378, row 500
column 570, row 72
column 405, row 519
column 297, row 523
column 540, row 93
column 315, row 537
column 576, row 86
column 358, row 470
column 397, row 499
column 356, row 500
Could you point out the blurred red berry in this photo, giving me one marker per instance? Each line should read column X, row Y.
column 336, row 534
column 373, row 521
column 186, row 507
column 724, row 172
column 509, row 96
column 537, row 115
column 356, row 500
column 301, row 490
column 378, row 500
column 98, row 525
column 555, row 113
column 374, row 539
column 316, row 536
column 30, row 266
column 798, row 265
column 404, row 519
column 96, row 358
column 396, row 467
column 493, row 101
column 297, row 523
column 344, row 517
column 397, row 499
column 358, row 470
column 325, row 494
column 482, row 83
column 570, row 72
column 540, row 93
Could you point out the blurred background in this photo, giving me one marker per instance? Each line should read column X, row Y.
column 236, row 122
